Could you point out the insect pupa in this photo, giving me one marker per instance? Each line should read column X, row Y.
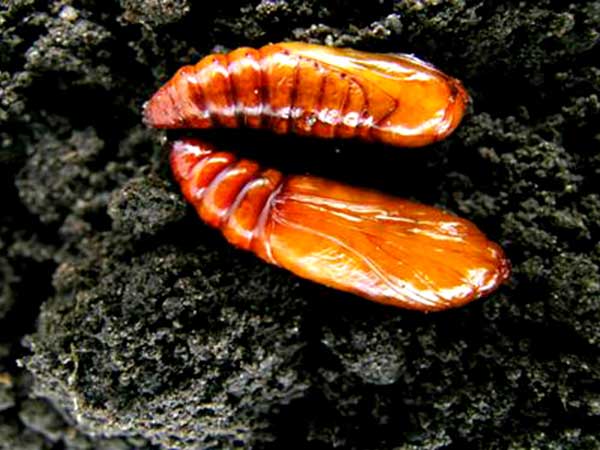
column 377, row 246
column 313, row 90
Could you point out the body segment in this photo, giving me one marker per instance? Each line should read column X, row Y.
column 383, row 248
column 313, row 90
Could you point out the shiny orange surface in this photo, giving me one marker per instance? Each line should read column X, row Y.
column 313, row 90
column 382, row 248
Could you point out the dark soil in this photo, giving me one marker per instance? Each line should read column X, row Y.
column 126, row 323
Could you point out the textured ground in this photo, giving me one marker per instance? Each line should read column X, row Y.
column 125, row 323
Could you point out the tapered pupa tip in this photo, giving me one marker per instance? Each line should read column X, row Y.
column 161, row 111
column 497, row 272
column 489, row 270
column 502, row 272
column 481, row 276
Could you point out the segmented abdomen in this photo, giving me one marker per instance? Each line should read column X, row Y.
column 382, row 248
column 313, row 90
column 230, row 194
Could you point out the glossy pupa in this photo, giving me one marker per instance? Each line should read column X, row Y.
column 313, row 90
column 379, row 247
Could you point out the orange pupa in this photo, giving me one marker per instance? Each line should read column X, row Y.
column 385, row 249
column 313, row 90
column 382, row 248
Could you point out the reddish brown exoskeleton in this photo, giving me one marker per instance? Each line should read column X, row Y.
column 383, row 248
column 313, row 90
